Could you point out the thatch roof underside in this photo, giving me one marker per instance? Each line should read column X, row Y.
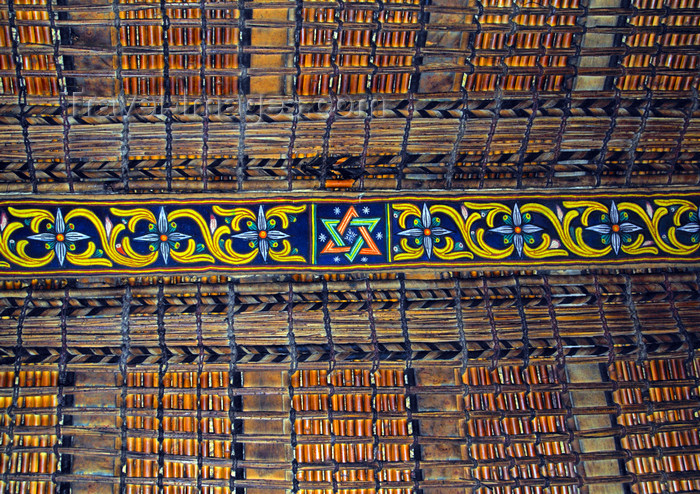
column 510, row 376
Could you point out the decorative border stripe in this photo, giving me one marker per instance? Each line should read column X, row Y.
column 122, row 236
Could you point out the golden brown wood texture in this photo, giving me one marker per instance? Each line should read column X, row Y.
column 579, row 381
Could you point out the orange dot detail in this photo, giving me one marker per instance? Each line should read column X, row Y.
column 60, row 237
column 517, row 229
column 616, row 228
column 427, row 232
column 262, row 234
column 163, row 238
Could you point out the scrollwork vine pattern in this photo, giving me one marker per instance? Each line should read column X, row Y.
column 325, row 234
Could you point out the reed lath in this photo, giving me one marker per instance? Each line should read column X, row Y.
column 422, row 383
column 456, row 383
column 145, row 96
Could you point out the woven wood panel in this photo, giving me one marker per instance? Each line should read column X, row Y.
column 514, row 382
column 195, row 96
column 523, row 382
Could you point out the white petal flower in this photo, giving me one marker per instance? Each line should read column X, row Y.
column 614, row 215
column 529, row 229
column 164, row 237
column 60, row 224
column 616, row 242
column 60, row 250
column 614, row 229
column 426, row 232
column 503, row 230
column 250, row 235
column 629, row 227
column 261, row 236
column 439, row 231
column 428, row 245
column 602, row 229
column 149, row 237
column 425, row 216
column 176, row 236
column 518, row 230
column 276, row 235
column 58, row 238
column 518, row 241
column 75, row 236
column 413, row 232
column 264, row 247
column 517, row 217
column 690, row 227
column 165, row 251
column 262, row 222
column 44, row 237
column 162, row 222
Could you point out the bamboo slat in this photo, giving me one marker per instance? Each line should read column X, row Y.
column 402, row 407
column 285, row 85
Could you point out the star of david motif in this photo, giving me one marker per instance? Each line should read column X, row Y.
column 345, row 241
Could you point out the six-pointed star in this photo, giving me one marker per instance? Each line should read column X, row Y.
column 363, row 244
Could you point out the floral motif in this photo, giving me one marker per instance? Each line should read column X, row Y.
column 614, row 231
column 517, row 229
column 59, row 239
column 163, row 236
column 693, row 227
column 427, row 231
column 261, row 233
column 350, row 235
column 455, row 232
